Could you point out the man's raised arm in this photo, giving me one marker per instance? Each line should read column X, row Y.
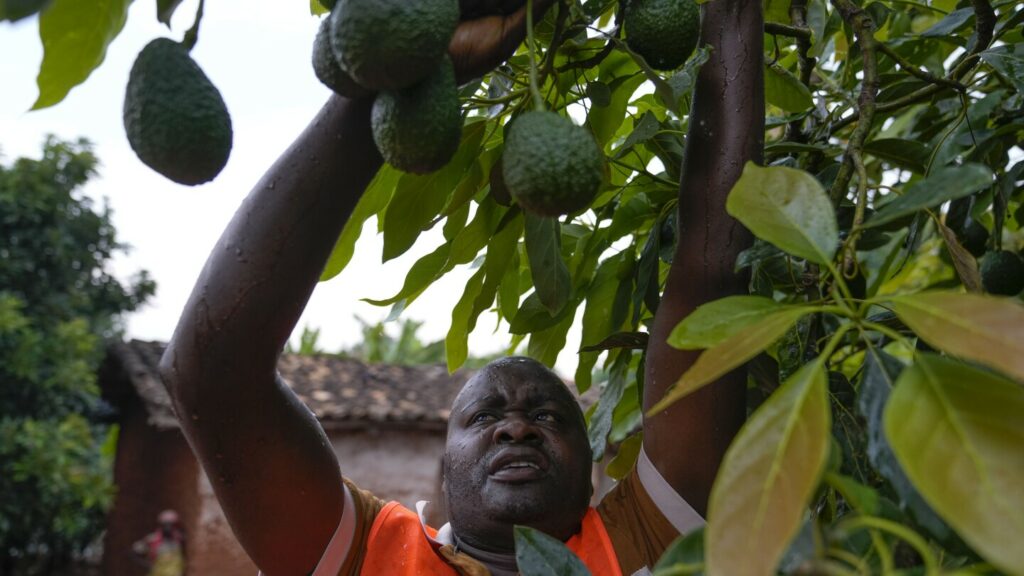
column 267, row 458
column 269, row 462
column 686, row 442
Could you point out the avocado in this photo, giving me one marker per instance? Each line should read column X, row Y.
column 1002, row 273
column 550, row 165
column 15, row 10
column 418, row 129
column 392, row 44
column 175, row 118
column 974, row 237
column 326, row 67
column 664, row 32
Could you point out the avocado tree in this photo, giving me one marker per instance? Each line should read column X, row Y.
column 881, row 325
column 58, row 305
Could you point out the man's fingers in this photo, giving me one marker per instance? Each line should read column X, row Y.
column 484, row 42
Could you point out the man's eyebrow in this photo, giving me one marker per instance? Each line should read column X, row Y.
column 488, row 401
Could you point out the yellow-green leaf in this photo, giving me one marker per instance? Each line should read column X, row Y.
column 75, row 36
column 986, row 329
column 958, row 433
column 717, row 321
column 731, row 353
column 318, row 8
column 788, row 208
column 786, row 91
column 769, row 474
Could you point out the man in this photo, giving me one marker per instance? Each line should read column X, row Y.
column 516, row 450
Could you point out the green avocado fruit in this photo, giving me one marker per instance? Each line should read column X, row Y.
column 326, row 67
column 418, row 129
column 550, row 165
column 14, row 10
column 1002, row 273
column 392, row 44
column 664, row 32
column 974, row 237
column 175, row 118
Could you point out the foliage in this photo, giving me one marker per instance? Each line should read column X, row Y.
column 892, row 131
column 380, row 345
column 58, row 302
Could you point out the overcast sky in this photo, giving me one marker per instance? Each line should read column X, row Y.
column 259, row 59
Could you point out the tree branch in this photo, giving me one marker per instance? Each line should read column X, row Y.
column 800, row 31
column 863, row 27
column 986, row 22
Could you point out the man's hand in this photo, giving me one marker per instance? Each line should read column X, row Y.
column 489, row 34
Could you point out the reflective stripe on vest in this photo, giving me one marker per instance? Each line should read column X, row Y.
column 397, row 546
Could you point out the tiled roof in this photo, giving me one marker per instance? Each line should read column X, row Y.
column 340, row 391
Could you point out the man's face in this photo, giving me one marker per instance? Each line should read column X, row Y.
column 517, row 453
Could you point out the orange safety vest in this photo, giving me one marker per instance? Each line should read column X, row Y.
column 397, row 546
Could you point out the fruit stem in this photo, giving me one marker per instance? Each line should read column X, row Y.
column 538, row 101
column 192, row 36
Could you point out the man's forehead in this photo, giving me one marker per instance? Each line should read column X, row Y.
column 498, row 382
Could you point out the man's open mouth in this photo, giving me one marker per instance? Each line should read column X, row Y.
column 516, row 466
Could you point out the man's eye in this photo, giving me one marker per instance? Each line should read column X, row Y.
column 546, row 417
column 481, row 417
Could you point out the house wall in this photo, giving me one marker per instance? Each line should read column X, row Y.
column 402, row 465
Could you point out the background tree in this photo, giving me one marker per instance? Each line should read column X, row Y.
column 381, row 345
column 58, row 305
column 884, row 376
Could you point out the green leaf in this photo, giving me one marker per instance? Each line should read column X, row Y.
column 599, row 93
column 786, row 91
column 714, row 322
column 776, row 11
column 880, row 374
column 538, row 554
column 317, row 9
column 373, row 201
column 604, row 121
column 642, row 131
column 731, row 353
column 501, row 252
column 958, row 432
column 549, row 272
column 597, row 316
column 601, row 421
column 683, row 557
column 768, row 476
column 948, row 183
column 861, row 498
column 419, row 277
column 546, row 344
column 788, row 208
column 533, row 316
column 75, row 37
column 456, row 343
column 949, row 24
column 624, row 460
column 1008, row 61
column 909, row 154
column 419, row 198
column 165, row 9
column 985, row 329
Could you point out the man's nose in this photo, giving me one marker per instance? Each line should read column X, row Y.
column 516, row 428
